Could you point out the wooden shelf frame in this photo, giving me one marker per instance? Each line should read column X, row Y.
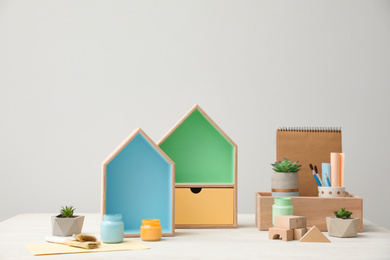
column 209, row 185
column 171, row 181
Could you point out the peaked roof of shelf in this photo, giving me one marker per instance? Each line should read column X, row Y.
column 128, row 140
column 196, row 107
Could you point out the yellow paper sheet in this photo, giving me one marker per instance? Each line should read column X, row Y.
column 53, row 248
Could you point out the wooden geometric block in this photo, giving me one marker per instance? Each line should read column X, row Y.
column 286, row 234
column 290, row 222
column 299, row 233
column 314, row 235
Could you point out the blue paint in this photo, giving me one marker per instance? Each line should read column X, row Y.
column 112, row 229
column 139, row 186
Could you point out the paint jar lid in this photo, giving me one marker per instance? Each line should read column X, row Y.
column 282, row 201
column 151, row 222
column 113, row 217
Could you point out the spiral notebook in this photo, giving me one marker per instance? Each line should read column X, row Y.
column 308, row 145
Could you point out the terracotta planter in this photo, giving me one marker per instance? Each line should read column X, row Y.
column 338, row 227
column 285, row 184
column 66, row 226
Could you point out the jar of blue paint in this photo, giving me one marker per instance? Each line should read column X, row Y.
column 112, row 229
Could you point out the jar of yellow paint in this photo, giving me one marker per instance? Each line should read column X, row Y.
column 151, row 230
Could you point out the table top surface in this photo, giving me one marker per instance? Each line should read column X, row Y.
column 245, row 242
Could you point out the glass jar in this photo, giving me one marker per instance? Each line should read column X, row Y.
column 151, row 230
column 281, row 207
column 112, row 229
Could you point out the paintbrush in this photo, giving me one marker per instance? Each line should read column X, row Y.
column 315, row 175
column 84, row 238
column 318, row 176
column 70, row 241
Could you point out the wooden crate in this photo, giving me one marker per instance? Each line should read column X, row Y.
column 315, row 209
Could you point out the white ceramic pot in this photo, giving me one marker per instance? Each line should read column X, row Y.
column 67, row 226
column 338, row 227
column 331, row 192
column 285, row 184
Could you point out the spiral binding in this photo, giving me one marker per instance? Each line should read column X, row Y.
column 311, row 129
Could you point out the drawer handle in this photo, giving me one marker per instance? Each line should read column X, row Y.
column 196, row 190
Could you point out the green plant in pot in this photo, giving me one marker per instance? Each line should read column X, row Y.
column 284, row 179
column 342, row 225
column 66, row 223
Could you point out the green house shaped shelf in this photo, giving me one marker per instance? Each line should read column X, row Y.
column 206, row 172
column 138, row 182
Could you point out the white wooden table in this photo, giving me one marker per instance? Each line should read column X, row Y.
column 245, row 242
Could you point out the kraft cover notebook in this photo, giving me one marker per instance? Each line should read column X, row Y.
column 308, row 145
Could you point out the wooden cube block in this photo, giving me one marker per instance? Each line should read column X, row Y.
column 290, row 222
column 299, row 232
column 285, row 234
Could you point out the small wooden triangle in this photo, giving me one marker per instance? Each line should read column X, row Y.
column 314, row 235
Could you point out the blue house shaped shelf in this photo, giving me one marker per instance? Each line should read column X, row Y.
column 138, row 181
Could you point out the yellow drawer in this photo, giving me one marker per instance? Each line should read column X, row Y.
column 211, row 206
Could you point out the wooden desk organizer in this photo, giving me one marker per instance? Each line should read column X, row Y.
column 315, row 209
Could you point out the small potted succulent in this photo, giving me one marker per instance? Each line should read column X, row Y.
column 342, row 225
column 67, row 224
column 284, row 179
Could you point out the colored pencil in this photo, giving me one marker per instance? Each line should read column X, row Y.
column 327, row 180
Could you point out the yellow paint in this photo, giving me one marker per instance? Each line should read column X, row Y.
column 211, row 206
column 151, row 230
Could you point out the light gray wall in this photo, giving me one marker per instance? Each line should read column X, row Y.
column 77, row 77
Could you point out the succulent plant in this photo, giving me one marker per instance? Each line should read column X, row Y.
column 67, row 212
column 342, row 213
column 286, row 166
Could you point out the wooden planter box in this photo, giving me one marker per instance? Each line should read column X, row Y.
column 315, row 209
